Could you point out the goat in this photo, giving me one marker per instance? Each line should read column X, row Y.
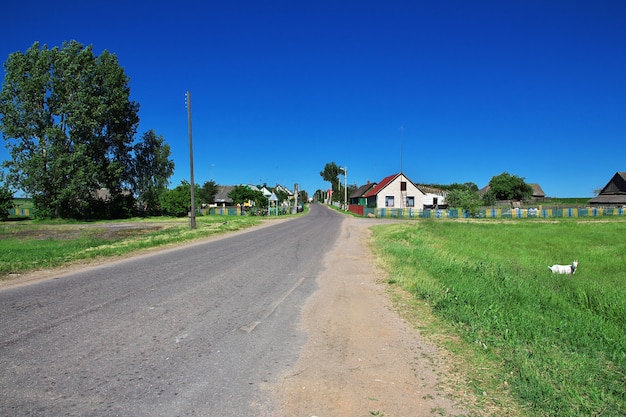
column 564, row 269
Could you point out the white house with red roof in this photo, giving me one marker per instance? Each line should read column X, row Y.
column 395, row 191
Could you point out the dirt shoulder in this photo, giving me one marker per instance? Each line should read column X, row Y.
column 361, row 358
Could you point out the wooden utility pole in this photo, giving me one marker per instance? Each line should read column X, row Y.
column 192, row 213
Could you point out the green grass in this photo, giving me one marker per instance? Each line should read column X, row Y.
column 34, row 245
column 559, row 341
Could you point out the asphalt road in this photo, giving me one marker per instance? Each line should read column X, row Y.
column 194, row 331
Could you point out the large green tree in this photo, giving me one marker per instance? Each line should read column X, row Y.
column 69, row 124
column 331, row 174
column 464, row 199
column 509, row 187
column 241, row 194
column 6, row 198
column 152, row 170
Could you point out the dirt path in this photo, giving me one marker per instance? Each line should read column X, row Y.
column 361, row 358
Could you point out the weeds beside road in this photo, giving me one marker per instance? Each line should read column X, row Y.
column 556, row 342
column 27, row 246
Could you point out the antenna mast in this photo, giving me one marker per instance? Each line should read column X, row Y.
column 401, row 144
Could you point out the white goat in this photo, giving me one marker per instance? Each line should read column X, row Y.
column 564, row 269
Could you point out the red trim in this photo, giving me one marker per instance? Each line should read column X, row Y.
column 378, row 187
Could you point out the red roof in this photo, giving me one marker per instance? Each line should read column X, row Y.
column 378, row 187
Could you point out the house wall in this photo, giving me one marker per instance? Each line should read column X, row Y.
column 393, row 190
column 429, row 199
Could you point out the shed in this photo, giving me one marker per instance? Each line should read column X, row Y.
column 613, row 194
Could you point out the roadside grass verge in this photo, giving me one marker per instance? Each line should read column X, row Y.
column 557, row 340
column 28, row 246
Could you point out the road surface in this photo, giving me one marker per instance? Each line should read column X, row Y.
column 190, row 331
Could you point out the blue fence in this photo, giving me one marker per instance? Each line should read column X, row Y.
column 496, row 213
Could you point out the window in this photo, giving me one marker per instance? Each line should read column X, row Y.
column 389, row 201
column 410, row 201
column 402, row 185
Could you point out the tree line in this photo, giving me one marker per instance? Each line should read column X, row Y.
column 176, row 202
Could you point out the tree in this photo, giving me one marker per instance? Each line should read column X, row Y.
column 509, row 187
column 464, row 199
column 69, row 124
column 281, row 195
column 303, row 197
column 331, row 174
column 242, row 194
column 152, row 170
column 177, row 202
column 6, row 198
column 208, row 191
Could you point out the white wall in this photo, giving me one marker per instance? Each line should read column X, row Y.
column 393, row 189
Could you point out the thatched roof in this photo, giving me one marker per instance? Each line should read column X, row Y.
column 222, row 194
column 613, row 193
column 360, row 192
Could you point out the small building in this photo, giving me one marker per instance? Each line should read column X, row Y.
column 538, row 194
column 395, row 191
column 221, row 198
column 434, row 198
column 357, row 197
column 613, row 194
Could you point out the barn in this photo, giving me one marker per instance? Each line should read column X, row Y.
column 613, row 194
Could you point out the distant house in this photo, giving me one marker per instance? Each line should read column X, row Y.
column 284, row 189
column 613, row 194
column 537, row 195
column 357, row 197
column 221, row 198
column 395, row 191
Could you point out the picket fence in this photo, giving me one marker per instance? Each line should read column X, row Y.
column 495, row 213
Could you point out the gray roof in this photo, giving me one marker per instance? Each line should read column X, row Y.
column 360, row 192
column 222, row 194
column 609, row 199
column 614, row 192
column 537, row 191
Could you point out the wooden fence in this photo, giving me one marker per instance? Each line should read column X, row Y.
column 491, row 213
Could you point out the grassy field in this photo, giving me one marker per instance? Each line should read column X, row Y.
column 555, row 343
column 31, row 245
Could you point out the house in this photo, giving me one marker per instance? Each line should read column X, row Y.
column 395, row 191
column 538, row 194
column 434, row 198
column 357, row 197
column 613, row 194
column 284, row 189
column 221, row 198
column 266, row 192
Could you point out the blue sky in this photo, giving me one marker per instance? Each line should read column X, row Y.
column 447, row 91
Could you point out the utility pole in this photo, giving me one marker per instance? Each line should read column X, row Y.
column 345, row 187
column 192, row 213
column 295, row 198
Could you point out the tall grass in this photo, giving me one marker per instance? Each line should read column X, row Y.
column 561, row 338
